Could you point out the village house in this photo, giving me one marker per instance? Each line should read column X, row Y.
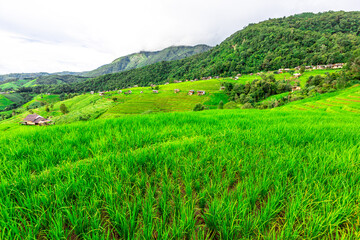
column 176, row 81
column 200, row 93
column 92, row 92
column 155, row 91
column 297, row 75
column 141, row 92
column 295, row 88
column 34, row 119
column 119, row 91
column 338, row 65
column 128, row 92
column 152, row 85
column 191, row 92
column 101, row 93
column 166, row 83
column 222, row 88
column 176, row 90
column 136, row 86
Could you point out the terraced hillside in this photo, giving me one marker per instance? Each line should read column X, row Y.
column 219, row 174
column 347, row 100
column 4, row 102
column 88, row 106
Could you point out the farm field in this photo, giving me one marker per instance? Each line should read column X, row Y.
column 284, row 76
column 347, row 100
column 228, row 174
column 89, row 107
column 4, row 102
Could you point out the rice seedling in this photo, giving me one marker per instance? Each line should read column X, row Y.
column 211, row 175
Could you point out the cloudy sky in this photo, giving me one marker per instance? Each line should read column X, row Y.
column 79, row 35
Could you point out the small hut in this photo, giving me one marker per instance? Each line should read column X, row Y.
column 200, row 93
column 295, row 88
column 176, row 90
column 191, row 92
column 34, row 119
column 155, row 91
column 222, row 88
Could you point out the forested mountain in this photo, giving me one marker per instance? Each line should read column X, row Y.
column 302, row 39
column 144, row 58
column 132, row 61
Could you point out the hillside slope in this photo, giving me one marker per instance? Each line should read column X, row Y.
column 138, row 60
column 229, row 174
column 307, row 38
column 132, row 61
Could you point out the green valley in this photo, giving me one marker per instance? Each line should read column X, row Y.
column 256, row 138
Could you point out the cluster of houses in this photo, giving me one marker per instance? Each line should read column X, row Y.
column 199, row 93
column 34, row 119
column 315, row 67
column 191, row 92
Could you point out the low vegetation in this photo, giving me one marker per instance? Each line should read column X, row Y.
column 216, row 174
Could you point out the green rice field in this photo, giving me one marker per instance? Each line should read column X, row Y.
column 218, row 174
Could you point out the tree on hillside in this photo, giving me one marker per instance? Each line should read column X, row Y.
column 199, row 107
column 114, row 99
column 221, row 105
column 47, row 109
column 302, row 69
column 64, row 109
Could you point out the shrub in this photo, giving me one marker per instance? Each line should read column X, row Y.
column 221, row 105
column 247, row 106
column 199, row 107
column 64, row 109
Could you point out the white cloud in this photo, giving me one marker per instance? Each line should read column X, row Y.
column 42, row 35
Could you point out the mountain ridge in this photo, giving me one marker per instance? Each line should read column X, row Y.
column 167, row 54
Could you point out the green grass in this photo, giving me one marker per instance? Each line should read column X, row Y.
column 4, row 102
column 223, row 174
column 347, row 100
column 275, row 97
column 8, row 86
column 14, row 97
column 285, row 173
column 284, row 76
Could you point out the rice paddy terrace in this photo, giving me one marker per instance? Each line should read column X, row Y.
column 286, row 173
column 347, row 100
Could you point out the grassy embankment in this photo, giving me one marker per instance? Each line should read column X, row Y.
column 90, row 107
column 226, row 174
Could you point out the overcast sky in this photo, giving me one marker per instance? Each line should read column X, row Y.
column 79, row 35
